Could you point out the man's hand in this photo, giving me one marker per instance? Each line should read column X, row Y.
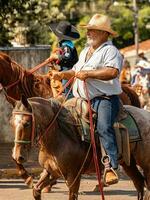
column 57, row 75
column 82, row 75
column 53, row 58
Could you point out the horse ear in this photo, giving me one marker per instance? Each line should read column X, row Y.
column 11, row 101
column 25, row 101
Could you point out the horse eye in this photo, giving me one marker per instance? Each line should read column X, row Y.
column 27, row 124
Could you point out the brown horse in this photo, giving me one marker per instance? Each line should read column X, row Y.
column 61, row 146
column 17, row 81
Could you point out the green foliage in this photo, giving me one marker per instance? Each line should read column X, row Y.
column 30, row 19
column 3, row 37
column 144, row 20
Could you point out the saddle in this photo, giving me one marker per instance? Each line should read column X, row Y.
column 80, row 111
column 125, row 127
column 81, row 107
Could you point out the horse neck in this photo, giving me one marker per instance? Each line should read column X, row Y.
column 48, row 132
column 27, row 83
column 9, row 72
column 52, row 138
column 55, row 136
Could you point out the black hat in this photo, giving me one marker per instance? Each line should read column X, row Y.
column 64, row 30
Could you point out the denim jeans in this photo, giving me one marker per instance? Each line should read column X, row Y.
column 67, row 88
column 107, row 110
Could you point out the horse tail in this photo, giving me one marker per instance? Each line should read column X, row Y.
column 134, row 98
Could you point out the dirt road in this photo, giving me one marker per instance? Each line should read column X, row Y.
column 15, row 189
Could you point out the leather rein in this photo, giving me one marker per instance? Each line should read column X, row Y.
column 34, row 69
column 33, row 134
column 22, row 75
column 15, row 82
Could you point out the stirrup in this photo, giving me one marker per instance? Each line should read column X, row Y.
column 110, row 176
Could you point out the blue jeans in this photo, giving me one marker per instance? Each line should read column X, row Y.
column 67, row 88
column 107, row 110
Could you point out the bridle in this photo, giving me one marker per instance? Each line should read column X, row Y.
column 33, row 135
column 11, row 85
column 15, row 82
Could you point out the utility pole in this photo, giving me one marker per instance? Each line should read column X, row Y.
column 135, row 25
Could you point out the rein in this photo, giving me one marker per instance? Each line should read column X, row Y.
column 33, row 120
column 15, row 82
column 49, row 60
column 93, row 143
column 12, row 84
column 56, row 115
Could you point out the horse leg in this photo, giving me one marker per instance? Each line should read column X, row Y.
column 36, row 194
column 24, row 174
column 135, row 175
column 147, row 195
column 42, row 182
column 147, row 181
column 52, row 181
column 73, row 189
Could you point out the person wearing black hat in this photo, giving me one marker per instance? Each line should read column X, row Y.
column 65, row 33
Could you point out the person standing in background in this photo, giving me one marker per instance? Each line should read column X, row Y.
column 65, row 33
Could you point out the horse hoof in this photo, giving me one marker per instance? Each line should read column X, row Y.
column 46, row 189
column 29, row 182
column 147, row 195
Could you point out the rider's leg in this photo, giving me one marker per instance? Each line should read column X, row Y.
column 107, row 110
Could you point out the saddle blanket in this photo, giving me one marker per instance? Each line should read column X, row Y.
column 128, row 122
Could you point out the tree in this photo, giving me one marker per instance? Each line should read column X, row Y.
column 31, row 19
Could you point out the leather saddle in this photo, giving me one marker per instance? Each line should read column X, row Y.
column 124, row 127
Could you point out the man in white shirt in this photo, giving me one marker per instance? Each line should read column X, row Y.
column 99, row 65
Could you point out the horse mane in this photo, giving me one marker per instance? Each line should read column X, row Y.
column 65, row 120
column 132, row 95
column 5, row 61
column 5, row 57
column 29, row 84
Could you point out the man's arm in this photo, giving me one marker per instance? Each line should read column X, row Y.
column 105, row 74
column 63, row 75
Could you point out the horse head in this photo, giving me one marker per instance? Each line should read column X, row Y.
column 30, row 119
column 21, row 121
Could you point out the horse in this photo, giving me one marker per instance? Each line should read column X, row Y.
column 60, row 145
column 142, row 88
column 18, row 81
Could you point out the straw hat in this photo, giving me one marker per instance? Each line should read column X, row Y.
column 64, row 30
column 100, row 22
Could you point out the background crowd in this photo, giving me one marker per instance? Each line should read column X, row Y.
column 138, row 76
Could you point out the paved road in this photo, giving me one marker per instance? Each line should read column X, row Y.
column 15, row 189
